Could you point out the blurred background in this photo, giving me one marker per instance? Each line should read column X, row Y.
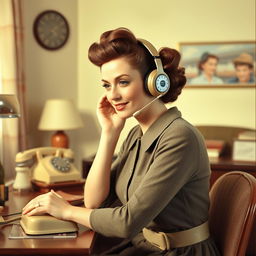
column 67, row 72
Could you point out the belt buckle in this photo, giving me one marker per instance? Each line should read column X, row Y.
column 166, row 241
column 158, row 239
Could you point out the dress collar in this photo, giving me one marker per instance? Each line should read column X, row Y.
column 156, row 129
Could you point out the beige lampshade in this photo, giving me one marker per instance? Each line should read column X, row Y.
column 60, row 114
column 9, row 106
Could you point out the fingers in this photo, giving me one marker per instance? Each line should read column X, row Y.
column 54, row 193
column 35, row 203
column 27, row 209
column 46, row 203
column 32, row 207
column 104, row 99
column 104, row 102
column 37, row 211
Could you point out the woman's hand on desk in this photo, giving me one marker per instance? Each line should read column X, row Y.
column 55, row 205
column 50, row 203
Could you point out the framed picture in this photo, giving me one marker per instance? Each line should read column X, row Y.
column 219, row 64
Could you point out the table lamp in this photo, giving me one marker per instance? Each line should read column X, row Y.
column 59, row 115
column 9, row 108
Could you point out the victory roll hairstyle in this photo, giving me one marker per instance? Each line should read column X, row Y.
column 121, row 42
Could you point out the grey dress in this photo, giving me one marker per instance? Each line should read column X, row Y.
column 162, row 181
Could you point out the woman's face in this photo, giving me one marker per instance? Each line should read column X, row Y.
column 210, row 66
column 124, row 87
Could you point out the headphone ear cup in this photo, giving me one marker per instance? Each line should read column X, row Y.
column 157, row 83
column 150, row 83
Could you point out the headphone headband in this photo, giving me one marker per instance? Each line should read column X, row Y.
column 157, row 82
column 153, row 51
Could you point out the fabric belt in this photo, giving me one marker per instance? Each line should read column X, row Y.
column 167, row 241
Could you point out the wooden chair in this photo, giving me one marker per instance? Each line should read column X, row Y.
column 232, row 212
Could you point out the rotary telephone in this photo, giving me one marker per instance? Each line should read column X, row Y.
column 49, row 164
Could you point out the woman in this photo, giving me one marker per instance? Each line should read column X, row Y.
column 161, row 174
column 207, row 67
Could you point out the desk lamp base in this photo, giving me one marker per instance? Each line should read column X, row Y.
column 60, row 140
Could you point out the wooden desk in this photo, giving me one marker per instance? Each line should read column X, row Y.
column 221, row 166
column 82, row 245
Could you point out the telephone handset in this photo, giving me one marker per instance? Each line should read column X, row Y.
column 49, row 165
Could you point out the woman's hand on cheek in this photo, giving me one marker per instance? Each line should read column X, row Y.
column 50, row 203
column 108, row 117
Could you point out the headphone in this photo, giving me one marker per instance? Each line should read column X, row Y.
column 157, row 82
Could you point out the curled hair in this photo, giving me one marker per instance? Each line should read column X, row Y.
column 171, row 59
column 121, row 42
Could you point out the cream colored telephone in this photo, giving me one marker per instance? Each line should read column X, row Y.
column 49, row 165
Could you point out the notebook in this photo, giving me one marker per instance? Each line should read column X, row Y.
column 18, row 233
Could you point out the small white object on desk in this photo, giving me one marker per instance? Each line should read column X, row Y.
column 244, row 150
column 23, row 178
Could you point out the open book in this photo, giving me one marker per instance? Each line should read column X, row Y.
column 215, row 148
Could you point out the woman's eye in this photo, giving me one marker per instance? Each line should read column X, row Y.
column 124, row 82
column 106, row 85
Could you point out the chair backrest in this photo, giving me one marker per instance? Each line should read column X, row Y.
column 232, row 212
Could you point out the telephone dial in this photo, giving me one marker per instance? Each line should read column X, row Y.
column 48, row 164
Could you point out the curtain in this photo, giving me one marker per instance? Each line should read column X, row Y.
column 12, row 81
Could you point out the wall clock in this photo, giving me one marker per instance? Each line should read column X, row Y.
column 51, row 30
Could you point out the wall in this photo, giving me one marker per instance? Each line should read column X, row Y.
column 49, row 74
column 166, row 24
column 67, row 72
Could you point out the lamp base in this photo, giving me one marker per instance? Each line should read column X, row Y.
column 60, row 140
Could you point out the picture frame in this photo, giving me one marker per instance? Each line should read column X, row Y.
column 219, row 64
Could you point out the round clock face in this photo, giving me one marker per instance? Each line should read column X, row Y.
column 162, row 83
column 51, row 30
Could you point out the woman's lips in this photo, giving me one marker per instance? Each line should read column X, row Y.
column 120, row 106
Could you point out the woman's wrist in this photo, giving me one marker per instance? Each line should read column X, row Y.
column 110, row 135
column 67, row 214
column 78, row 214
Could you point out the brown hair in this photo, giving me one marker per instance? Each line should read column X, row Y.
column 204, row 58
column 250, row 66
column 121, row 42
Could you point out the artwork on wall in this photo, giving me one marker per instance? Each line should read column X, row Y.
column 219, row 64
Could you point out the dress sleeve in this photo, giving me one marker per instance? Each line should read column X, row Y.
column 175, row 162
